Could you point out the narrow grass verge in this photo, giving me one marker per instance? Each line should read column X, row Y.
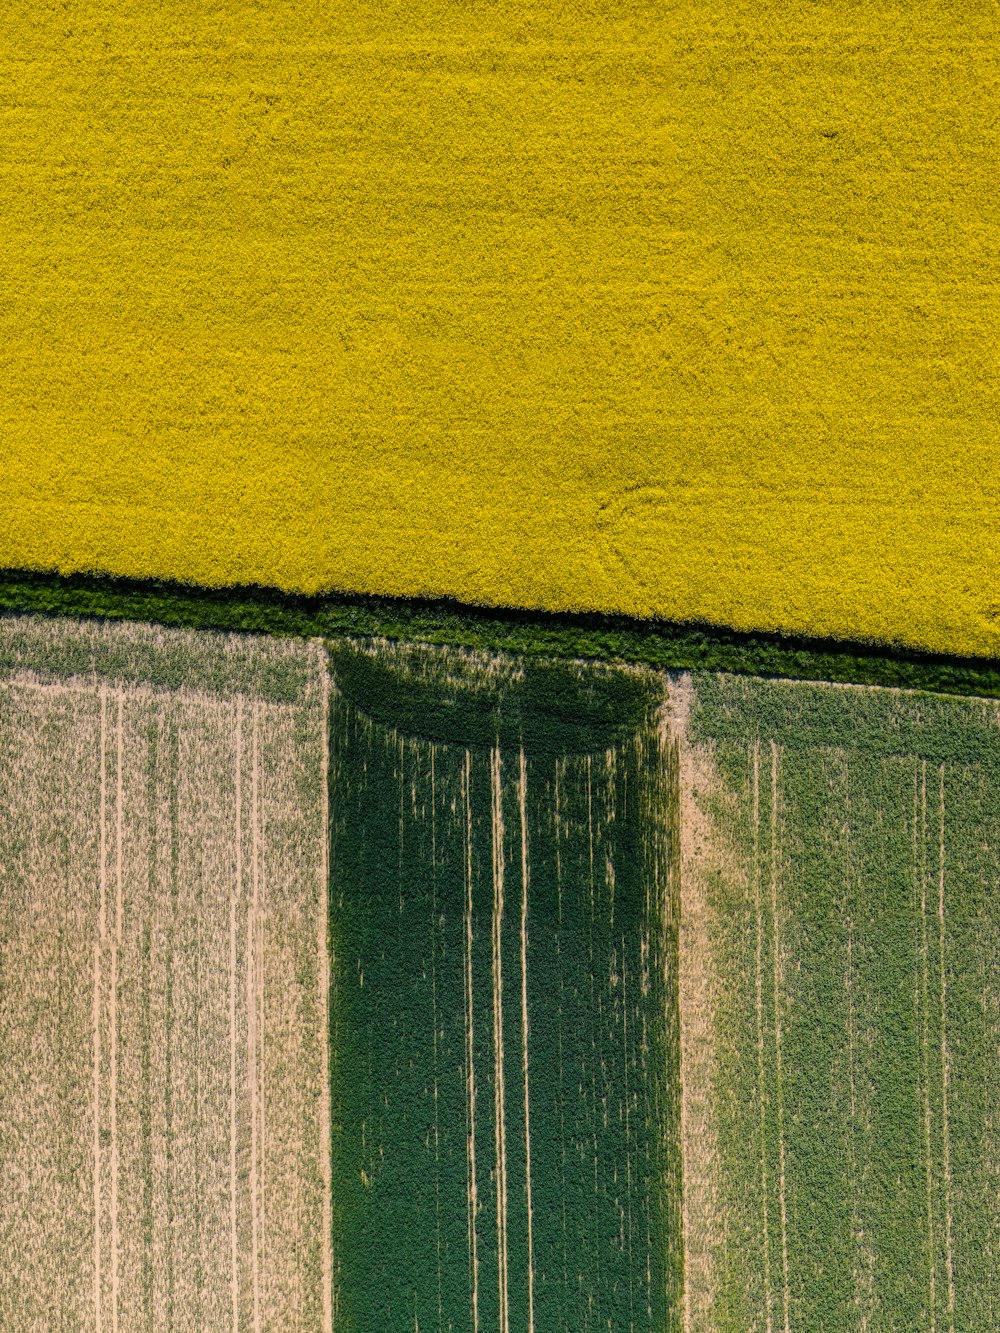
column 660, row 644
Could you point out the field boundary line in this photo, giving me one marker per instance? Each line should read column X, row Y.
column 523, row 802
column 113, row 1013
column 252, row 1034
column 863, row 1258
column 234, row 899
column 924, row 1018
column 556, row 826
column 779, row 1078
column 437, row 1019
column 628, row 1143
column 98, row 1324
column 852, row 1152
column 665, row 645
column 324, row 983
column 759, row 1005
column 499, row 1091
column 260, row 861
column 594, row 1044
column 98, row 982
column 696, row 1009
column 945, row 1059
column 471, row 1191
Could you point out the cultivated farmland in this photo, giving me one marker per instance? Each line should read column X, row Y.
column 163, row 1107
column 504, row 1034
column 839, row 1007
column 484, row 994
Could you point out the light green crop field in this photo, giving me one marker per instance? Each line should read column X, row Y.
column 840, row 937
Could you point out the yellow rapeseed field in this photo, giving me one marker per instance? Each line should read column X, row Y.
column 684, row 308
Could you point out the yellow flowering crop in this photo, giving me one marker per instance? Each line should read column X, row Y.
column 684, row 308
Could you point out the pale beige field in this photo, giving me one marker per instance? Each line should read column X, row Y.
column 163, row 1098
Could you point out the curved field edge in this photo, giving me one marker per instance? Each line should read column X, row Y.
column 513, row 919
column 659, row 644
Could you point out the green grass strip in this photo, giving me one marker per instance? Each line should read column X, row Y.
column 661, row 644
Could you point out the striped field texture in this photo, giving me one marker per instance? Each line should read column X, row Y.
column 840, row 934
column 163, row 975
column 504, row 1033
column 613, row 1001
